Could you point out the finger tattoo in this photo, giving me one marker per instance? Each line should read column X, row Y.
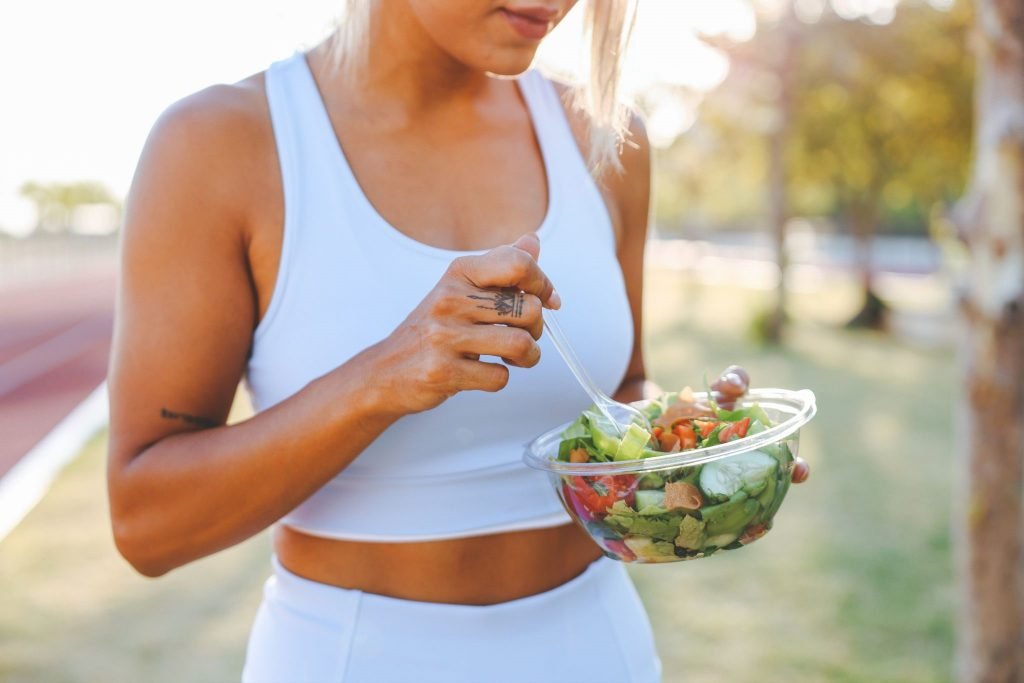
column 506, row 302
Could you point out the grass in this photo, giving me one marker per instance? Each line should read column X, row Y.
column 853, row 585
column 855, row 582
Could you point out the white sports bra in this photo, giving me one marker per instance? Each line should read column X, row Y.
column 456, row 470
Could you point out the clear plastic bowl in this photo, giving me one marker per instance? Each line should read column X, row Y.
column 682, row 506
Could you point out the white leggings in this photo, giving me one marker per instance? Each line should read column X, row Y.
column 592, row 629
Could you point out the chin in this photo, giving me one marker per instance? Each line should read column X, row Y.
column 507, row 62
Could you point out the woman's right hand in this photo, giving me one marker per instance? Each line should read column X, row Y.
column 486, row 305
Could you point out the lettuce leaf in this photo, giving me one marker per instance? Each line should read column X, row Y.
column 626, row 520
column 578, row 429
column 691, row 533
column 754, row 412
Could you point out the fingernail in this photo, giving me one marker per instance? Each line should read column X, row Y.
column 554, row 301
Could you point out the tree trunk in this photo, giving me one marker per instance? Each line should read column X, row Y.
column 873, row 311
column 989, row 517
column 786, row 72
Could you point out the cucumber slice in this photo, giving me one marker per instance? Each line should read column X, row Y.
column 721, row 479
column 646, row 499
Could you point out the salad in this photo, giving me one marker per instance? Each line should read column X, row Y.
column 686, row 511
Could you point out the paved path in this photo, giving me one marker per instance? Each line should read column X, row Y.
column 54, row 344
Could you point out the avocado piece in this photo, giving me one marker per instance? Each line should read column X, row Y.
column 730, row 517
column 651, row 481
column 632, row 445
column 779, row 451
column 771, row 506
column 633, row 442
column 767, row 496
column 723, row 540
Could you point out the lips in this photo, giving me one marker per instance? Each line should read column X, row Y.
column 532, row 23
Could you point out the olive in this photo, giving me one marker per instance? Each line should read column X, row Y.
column 737, row 370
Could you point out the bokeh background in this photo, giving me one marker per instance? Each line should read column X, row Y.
column 807, row 156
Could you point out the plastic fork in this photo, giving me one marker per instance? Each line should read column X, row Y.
column 621, row 415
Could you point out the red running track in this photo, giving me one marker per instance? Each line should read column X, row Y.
column 54, row 345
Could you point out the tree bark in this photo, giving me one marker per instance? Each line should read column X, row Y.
column 989, row 517
column 786, row 72
column 863, row 218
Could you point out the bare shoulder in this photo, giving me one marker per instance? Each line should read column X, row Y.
column 207, row 144
column 186, row 306
column 217, row 105
column 627, row 191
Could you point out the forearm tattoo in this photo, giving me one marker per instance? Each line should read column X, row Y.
column 204, row 422
column 506, row 302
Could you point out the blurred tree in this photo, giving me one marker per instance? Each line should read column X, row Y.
column 882, row 122
column 879, row 127
column 989, row 524
column 55, row 202
column 784, row 68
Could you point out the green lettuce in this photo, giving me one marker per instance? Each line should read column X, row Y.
column 626, row 520
column 691, row 533
column 754, row 412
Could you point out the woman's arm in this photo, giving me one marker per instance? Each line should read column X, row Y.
column 183, row 485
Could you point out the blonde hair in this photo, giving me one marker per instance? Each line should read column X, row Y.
column 607, row 27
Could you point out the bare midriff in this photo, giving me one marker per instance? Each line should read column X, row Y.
column 481, row 570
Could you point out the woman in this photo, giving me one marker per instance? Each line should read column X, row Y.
column 332, row 235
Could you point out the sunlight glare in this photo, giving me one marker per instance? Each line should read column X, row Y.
column 89, row 79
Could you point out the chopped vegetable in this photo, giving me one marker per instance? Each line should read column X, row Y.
column 691, row 534
column 690, row 510
column 682, row 495
column 597, row 494
column 736, row 430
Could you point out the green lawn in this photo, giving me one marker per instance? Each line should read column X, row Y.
column 853, row 584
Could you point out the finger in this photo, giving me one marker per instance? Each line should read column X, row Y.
column 507, row 266
column 529, row 243
column 801, row 470
column 513, row 345
column 506, row 306
column 476, row 374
